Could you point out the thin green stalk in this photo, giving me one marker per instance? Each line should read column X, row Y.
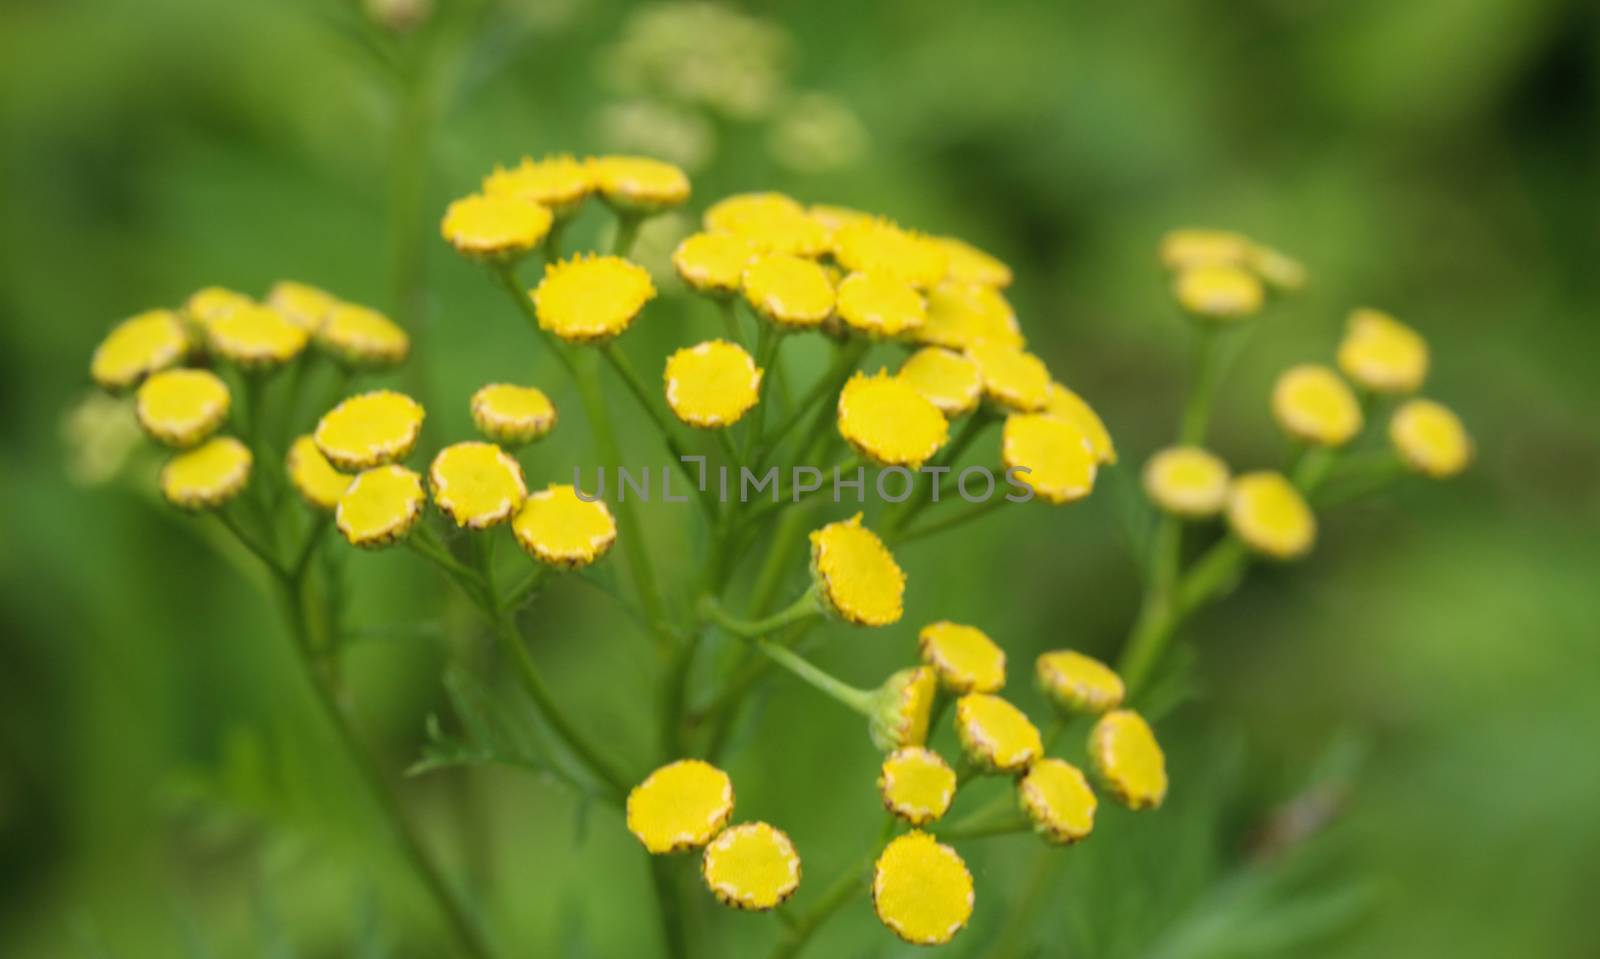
column 802, row 609
column 845, row 358
column 1009, row 824
column 650, row 404
column 729, row 311
column 970, row 431
column 858, row 700
column 1202, row 387
column 850, row 885
column 973, row 512
column 628, row 225
column 507, row 278
column 1019, row 924
column 670, row 905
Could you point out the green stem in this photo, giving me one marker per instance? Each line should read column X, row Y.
column 507, row 278
column 1202, row 387
column 974, row 511
column 730, row 318
column 858, row 700
column 851, row 884
column 845, row 358
column 628, row 225
column 670, row 905
column 802, row 609
column 974, row 828
column 651, row 405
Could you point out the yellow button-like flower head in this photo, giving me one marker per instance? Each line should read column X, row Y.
column 313, row 477
column 137, row 347
column 363, row 337
column 495, row 226
column 917, row 785
column 968, row 264
column 1012, row 377
column 639, row 185
column 255, row 337
column 1281, row 272
column 887, row 420
column 210, row 302
column 1079, row 683
column 477, row 484
column 1430, row 438
column 1128, row 758
column 369, row 430
column 860, row 580
column 789, row 290
column 880, row 306
column 712, row 384
column 1314, row 405
column 945, row 378
column 922, row 890
column 1056, row 796
column 1383, row 354
column 1056, row 453
column 966, row 659
column 557, row 183
column 557, row 527
column 208, row 475
column 1187, row 481
column 771, row 222
column 995, row 734
column 302, row 304
column 1270, row 516
column 512, row 415
column 590, row 298
column 713, row 263
column 902, row 708
column 834, row 218
column 182, row 407
column 380, row 506
column 878, row 246
column 1073, row 408
column 1219, row 294
column 680, row 806
column 1188, row 248
column 751, row 866
column 961, row 315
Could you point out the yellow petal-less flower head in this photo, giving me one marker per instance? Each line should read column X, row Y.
column 1383, row 354
column 1219, row 294
column 639, row 185
column 1270, row 516
column 1012, row 377
column 1077, row 683
column 945, row 378
column 1188, row 248
column 1074, row 409
column 771, row 222
column 208, row 475
column 966, row 659
column 995, row 734
column 255, row 337
column 968, row 264
column 1430, row 438
column 680, row 806
column 712, row 384
column 477, row 484
column 511, row 414
column 834, row 218
column 861, row 582
column 1187, row 481
column 586, row 299
column 1312, row 404
column 380, row 507
column 313, row 477
column 1128, row 759
column 713, row 263
column 1282, row 273
column 917, row 785
column 961, row 315
column 302, row 304
column 880, row 306
column 1056, row 796
column 1055, row 452
column 558, row 527
column 902, row 708
column 789, row 290
column 362, row 337
column 210, row 302
column 495, row 226
column 182, row 407
column 137, row 347
column 557, row 183
column 888, row 421
column 921, row 889
column 879, row 246
column 751, row 866
column 369, row 429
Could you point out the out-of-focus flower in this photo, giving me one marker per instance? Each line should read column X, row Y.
column 398, row 16
column 1281, row 272
column 816, row 133
column 1012, row 377
column 680, row 136
column 712, row 385
column 1187, row 481
column 1313, row 405
column 380, row 507
column 99, row 433
column 182, row 407
column 557, row 527
column 771, row 222
column 1128, row 758
column 916, row 784
column 961, row 315
column 557, row 183
column 965, row 658
column 313, row 477
column 861, row 582
column 1078, row 683
column 363, row 338
column 945, row 378
column 921, row 889
column 1056, row 453
column 370, row 429
column 879, row 246
column 704, row 54
column 210, row 302
column 1430, row 438
column 1218, row 294
column 968, row 264
column 751, row 866
column 995, row 734
column 880, row 306
column 511, row 414
column 1188, row 248
column 1056, row 796
column 208, row 475
column 302, row 304
column 137, row 347
column 495, row 226
column 255, row 337
column 639, row 185
column 1270, row 516
column 1070, row 406
column 1383, row 354
column 591, row 298
column 788, row 290
column 680, row 806
column 713, row 263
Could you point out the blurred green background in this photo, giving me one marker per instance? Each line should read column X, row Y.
column 1388, row 750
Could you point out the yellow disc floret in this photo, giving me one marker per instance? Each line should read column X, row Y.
column 1056, row 796
column 788, row 290
column 1281, row 272
column 1218, row 294
column 995, row 734
column 751, row 866
column 639, row 185
column 557, row 183
column 208, row 475
column 771, row 222
column 590, row 298
column 968, row 264
column 922, row 890
column 966, row 659
column 255, row 337
column 1012, row 377
column 1128, row 758
column 1079, row 683
column 880, row 306
column 1314, row 405
column 512, row 414
column 369, row 429
column 860, row 580
column 712, row 384
column 302, row 304
column 879, row 246
column 917, row 785
column 477, row 484
column 1383, row 354
column 887, row 420
column 363, row 337
column 558, row 527
column 182, row 407
column 210, row 302
column 1188, row 248
column 833, row 218
column 1430, row 438
column 902, row 708
column 1270, row 516
column 945, row 378
column 713, row 263
column 680, row 806
column 1073, row 408
column 137, row 347
column 1055, row 453
column 961, row 315
column 1187, row 481
column 313, row 477
column 495, row 226
column 380, row 506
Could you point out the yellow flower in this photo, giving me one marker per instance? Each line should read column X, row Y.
column 860, row 580
column 880, row 306
column 1057, row 797
column 1279, row 271
column 771, row 222
column 945, row 378
column 208, row 303
column 1188, row 248
column 1056, row 453
column 137, row 347
column 995, row 734
column 833, row 218
column 639, row 185
column 917, row 785
column 680, row 806
column 961, row 315
column 1126, row 755
column 313, row 477
column 557, row 183
column 380, row 506
column 922, row 890
column 712, row 384
column 1383, row 354
column 966, row 659
column 300, row 303
column 1073, row 408
column 1313, row 405
column 495, row 226
column 1220, row 294
column 207, row 476
column 788, row 290
column 902, row 708
column 1430, row 438
column 370, row 429
column 477, row 484
column 363, row 337
column 255, row 337
column 713, row 263
column 1079, row 683
column 886, row 419
column 1270, row 516
column 751, row 866
column 1012, row 377
column 182, row 407
column 968, row 264
column 555, row 526
column 590, row 298
column 879, row 246
column 512, row 414
column 1187, row 481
